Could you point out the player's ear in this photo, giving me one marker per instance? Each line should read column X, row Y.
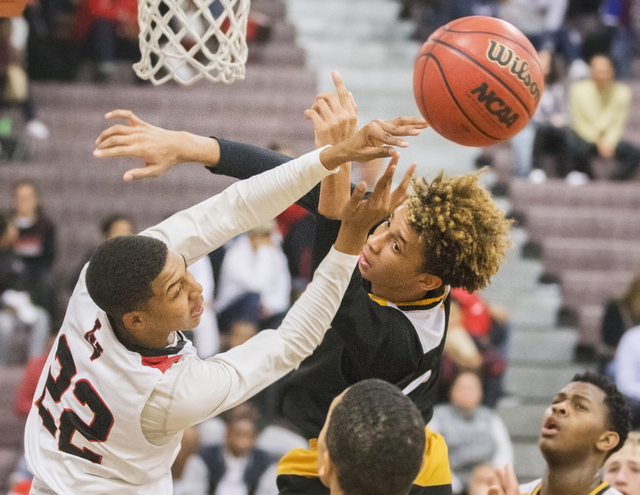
column 326, row 469
column 429, row 282
column 133, row 320
column 607, row 441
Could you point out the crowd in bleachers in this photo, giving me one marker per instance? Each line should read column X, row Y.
column 594, row 259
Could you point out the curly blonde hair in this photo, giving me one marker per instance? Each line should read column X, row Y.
column 465, row 234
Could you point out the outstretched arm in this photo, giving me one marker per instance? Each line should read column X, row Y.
column 335, row 118
column 204, row 227
column 201, row 389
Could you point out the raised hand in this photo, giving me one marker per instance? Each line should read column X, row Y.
column 375, row 140
column 334, row 115
column 508, row 482
column 158, row 148
column 360, row 214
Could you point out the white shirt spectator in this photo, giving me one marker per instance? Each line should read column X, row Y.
column 627, row 364
column 263, row 270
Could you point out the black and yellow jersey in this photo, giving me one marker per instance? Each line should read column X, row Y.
column 369, row 337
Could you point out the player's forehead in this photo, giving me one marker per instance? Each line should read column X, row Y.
column 173, row 270
column 583, row 390
column 400, row 222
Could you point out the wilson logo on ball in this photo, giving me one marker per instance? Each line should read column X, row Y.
column 505, row 57
column 495, row 105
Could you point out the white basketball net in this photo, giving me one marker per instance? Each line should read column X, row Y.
column 187, row 40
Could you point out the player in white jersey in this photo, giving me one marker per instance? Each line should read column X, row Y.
column 121, row 383
column 587, row 421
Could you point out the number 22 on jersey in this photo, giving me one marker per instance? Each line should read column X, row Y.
column 70, row 422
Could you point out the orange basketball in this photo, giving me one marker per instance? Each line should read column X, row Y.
column 477, row 81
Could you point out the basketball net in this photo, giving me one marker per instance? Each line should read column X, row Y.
column 187, row 40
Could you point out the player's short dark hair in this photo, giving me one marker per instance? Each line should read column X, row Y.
column 376, row 440
column 121, row 271
column 108, row 221
column 618, row 418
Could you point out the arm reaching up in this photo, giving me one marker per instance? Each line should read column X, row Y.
column 160, row 149
column 335, row 118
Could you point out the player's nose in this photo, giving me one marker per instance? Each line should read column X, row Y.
column 560, row 408
column 375, row 242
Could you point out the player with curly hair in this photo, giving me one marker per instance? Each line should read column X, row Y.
column 392, row 321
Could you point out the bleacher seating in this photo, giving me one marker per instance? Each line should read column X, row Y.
column 589, row 241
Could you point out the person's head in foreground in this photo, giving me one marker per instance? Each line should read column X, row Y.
column 145, row 288
column 450, row 232
column 587, row 422
column 372, row 442
column 622, row 469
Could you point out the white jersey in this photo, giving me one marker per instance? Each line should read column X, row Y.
column 85, row 433
column 534, row 487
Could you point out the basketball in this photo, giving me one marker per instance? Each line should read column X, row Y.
column 477, row 81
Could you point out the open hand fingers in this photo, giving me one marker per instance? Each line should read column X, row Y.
column 125, row 114
column 358, row 194
column 378, row 132
column 418, row 123
column 401, row 193
column 323, row 108
column 345, row 97
column 385, row 181
column 115, row 130
column 402, row 128
column 143, row 172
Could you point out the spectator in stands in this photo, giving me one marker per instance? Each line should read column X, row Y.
column 547, row 132
column 110, row 29
column 297, row 228
column 474, row 434
column 622, row 469
column 17, row 310
column 20, row 479
column 113, row 225
column 237, row 465
column 459, row 346
column 626, row 367
column 14, row 82
column 36, row 242
column 586, row 423
column 372, row 441
column 541, row 21
column 432, row 14
column 599, row 108
column 206, row 336
column 254, row 284
column 620, row 315
column 489, row 327
column 189, row 472
column 117, row 224
column 618, row 16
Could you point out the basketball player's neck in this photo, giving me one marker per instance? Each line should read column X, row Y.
column 575, row 479
column 396, row 295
